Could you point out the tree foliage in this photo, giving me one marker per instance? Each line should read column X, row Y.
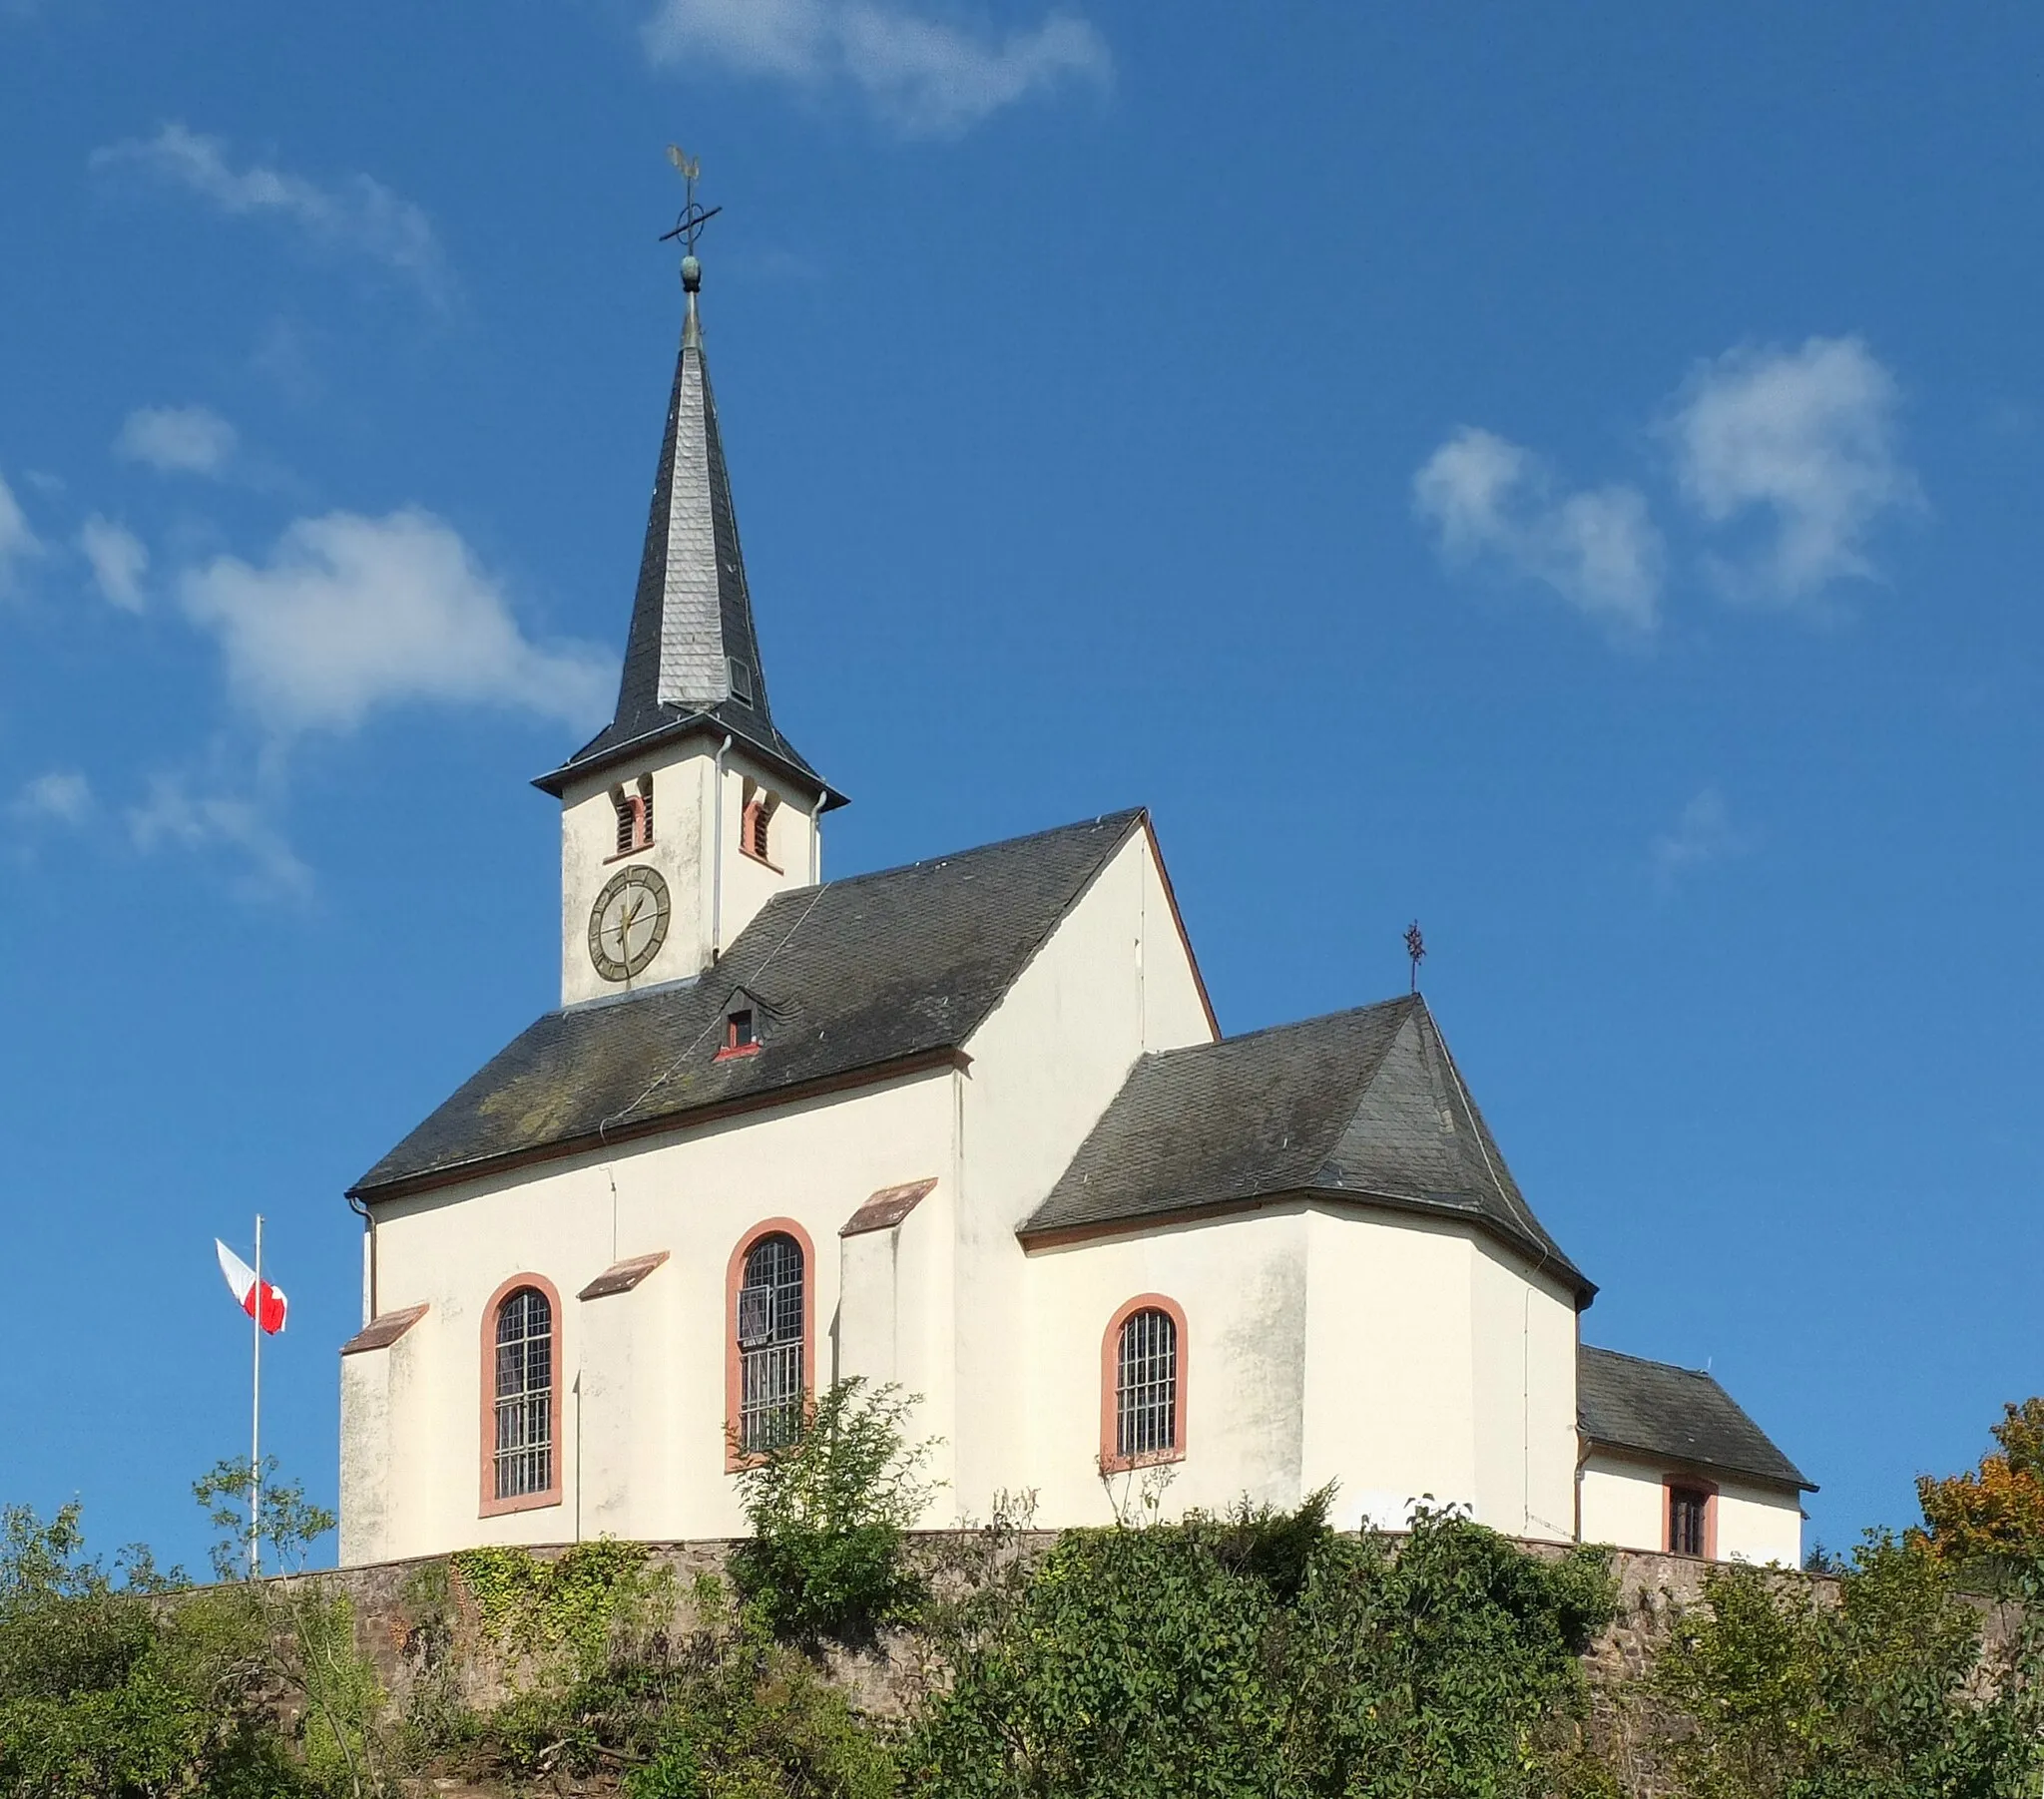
column 110, row 1688
column 1262, row 1652
column 1991, row 1518
column 828, row 1511
column 1901, row 1688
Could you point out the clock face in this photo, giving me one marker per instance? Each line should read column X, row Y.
column 628, row 923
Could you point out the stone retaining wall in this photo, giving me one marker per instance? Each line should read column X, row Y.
column 393, row 1623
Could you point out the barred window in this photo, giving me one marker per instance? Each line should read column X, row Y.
column 770, row 1328
column 1688, row 1513
column 525, row 1395
column 1146, row 1386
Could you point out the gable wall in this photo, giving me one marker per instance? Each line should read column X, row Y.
column 1625, row 1498
column 649, row 1417
column 1111, row 982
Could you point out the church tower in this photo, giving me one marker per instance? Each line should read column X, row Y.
column 689, row 811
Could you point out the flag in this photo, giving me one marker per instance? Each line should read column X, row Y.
column 241, row 1279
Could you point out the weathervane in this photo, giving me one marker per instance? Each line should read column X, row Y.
column 1415, row 947
column 688, row 226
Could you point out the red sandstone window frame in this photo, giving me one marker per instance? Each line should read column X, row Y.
column 735, row 1460
column 1111, row 1459
column 1707, row 1490
column 754, row 822
column 634, row 806
column 492, row 1506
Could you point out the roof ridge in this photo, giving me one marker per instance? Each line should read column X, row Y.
column 1294, row 1024
column 1127, row 815
column 1620, row 1355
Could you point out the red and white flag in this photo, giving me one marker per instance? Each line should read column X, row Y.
column 241, row 1278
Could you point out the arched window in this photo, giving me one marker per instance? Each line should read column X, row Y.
column 522, row 1414
column 1142, row 1384
column 772, row 1340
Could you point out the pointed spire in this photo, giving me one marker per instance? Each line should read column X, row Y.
column 692, row 660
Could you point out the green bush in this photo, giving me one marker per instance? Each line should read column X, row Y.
column 755, row 1719
column 828, row 1511
column 1264, row 1654
column 110, row 1687
column 1895, row 1691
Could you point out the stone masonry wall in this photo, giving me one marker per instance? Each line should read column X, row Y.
column 391, row 1631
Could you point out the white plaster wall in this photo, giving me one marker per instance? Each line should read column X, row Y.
column 685, row 833
column 680, row 839
column 1389, row 1376
column 1625, row 1498
column 1242, row 1283
column 1113, row 981
column 652, row 1427
column 1757, row 1524
column 387, row 1419
column 750, row 884
column 1523, row 1328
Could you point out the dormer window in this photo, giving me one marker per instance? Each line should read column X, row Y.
column 635, row 816
column 740, row 1035
column 755, row 825
column 741, row 682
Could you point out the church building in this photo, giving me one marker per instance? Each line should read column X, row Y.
column 969, row 1127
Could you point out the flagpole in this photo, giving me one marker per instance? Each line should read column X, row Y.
column 256, row 1421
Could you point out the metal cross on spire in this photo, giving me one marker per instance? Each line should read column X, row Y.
column 1415, row 947
column 688, row 226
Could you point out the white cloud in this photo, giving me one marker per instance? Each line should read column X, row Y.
column 924, row 73
column 17, row 542
column 352, row 612
column 173, row 816
column 1805, row 436
column 119, row 561
column 62, row 794
column 1702, row 835
column 357, row 213
column 1493, row 500
column 185, row 440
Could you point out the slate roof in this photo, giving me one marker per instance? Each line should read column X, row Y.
column 1360, row 1105
column 692, row 614
column 1682, row 1413
column 845, row 979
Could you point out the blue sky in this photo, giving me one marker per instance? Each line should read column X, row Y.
column 1563, row 474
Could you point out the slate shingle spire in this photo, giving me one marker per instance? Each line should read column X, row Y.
column 691, row 660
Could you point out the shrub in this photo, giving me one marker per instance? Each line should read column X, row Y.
column 109, row 1686
column 828, row 1511
column 755, row 1719
column 1891, row 1693
column 1263, row 1653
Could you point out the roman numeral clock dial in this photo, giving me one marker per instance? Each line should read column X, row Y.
column 628, row 923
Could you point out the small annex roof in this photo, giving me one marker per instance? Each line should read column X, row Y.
column 1363, row 1106
column 1679, row 1414
column 848, row 980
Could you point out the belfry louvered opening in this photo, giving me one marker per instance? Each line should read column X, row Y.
column 634, row 806
column 1146, row 1386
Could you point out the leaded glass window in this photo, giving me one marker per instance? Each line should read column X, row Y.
column 770, row 1331
column 1146, row 1386
column 525, row 1395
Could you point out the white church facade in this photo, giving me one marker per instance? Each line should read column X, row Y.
column 969, row 1127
